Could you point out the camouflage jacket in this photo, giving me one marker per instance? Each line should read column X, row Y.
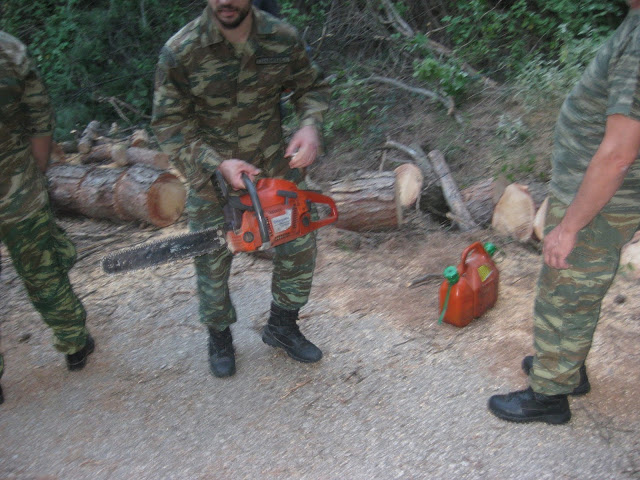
column 25, row 112
column 610, row 85
column 214, row 102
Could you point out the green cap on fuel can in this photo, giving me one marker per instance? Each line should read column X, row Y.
column 451, row 274
column 490, row 248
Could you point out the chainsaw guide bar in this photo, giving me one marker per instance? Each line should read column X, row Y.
column 163, row 251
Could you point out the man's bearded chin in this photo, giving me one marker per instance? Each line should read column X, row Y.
column 242, row 14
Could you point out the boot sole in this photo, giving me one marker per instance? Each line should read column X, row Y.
column 273, row 342
column 550, row 419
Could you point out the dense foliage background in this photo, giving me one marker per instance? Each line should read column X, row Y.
column 98, row 57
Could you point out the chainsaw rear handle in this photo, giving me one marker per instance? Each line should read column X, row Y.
column 316, row 197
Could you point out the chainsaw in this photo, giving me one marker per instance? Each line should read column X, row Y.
column 271, row 213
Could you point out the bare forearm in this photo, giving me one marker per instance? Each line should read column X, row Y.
column 599, row 185
column 41, row 149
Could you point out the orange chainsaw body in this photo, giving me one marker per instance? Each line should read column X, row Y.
column 286, row 212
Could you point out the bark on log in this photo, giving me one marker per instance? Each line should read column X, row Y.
column 107, row 152
column 88, row 136
column 366, row 203
column 480, row 200
column 144, row 156
column 514, row 213
column 137, row 193
column 64, row 183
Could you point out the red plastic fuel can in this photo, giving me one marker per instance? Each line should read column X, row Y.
column 471, row 288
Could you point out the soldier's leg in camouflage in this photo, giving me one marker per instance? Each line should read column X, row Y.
column 293, row 267
column 42, row 255
column 566, row 313
column 216, row 310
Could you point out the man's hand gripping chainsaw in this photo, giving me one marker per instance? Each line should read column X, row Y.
column 271, row 213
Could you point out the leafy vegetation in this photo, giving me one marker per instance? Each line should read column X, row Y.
column 98, row 58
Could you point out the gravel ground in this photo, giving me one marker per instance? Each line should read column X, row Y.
column 395, row 396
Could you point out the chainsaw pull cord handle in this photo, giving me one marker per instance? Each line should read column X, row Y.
column 257, row 207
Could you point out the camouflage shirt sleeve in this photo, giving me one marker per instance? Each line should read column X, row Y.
column 624, row 81
column 311, row 91
column 174, row 122
column 39, row 113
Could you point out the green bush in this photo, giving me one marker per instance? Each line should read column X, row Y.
column 88, row 52
column 502, row 37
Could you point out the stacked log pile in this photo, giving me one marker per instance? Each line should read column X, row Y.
column 110, row 179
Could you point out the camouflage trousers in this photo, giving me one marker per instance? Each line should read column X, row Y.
column 42, row 255
column 293, row 266
column 567, row 304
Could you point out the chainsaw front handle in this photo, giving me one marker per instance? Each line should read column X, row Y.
column 257, row 207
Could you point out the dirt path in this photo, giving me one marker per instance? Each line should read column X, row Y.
column 396, row 395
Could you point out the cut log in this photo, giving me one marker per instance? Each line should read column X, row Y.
column 539, row 219
column 107, row 152
column 409, row 181
column 366, row 203
column 88, row 136
column 137, row 193
column 144, row 156
column 514, row 213
column 150, row 194
column 140, row 139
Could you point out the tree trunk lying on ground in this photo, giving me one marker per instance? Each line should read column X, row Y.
column 375, row 201
column 136, row 193
column 144, row 156
column 106, row 152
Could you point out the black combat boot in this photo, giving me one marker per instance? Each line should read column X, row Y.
column 222, row 359
column 281, row 331
column 529, row 406
column 581, row 389
column 77, row 361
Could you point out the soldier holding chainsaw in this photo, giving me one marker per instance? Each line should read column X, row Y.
column 41, row 253
column 216, row 107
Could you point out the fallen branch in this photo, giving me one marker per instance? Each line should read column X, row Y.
column 446, row 101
